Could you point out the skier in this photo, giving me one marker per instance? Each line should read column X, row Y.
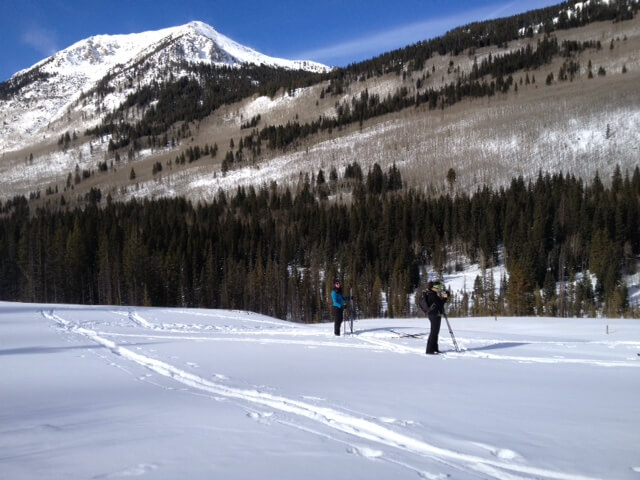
column 339, row 303
column 436, row 297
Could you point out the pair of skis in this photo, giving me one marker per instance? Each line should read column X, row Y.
column 408, row 335
column 418, row 335
column 353, row 314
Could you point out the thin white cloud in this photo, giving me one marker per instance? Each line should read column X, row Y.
column 380, row 42
column 42, row 40
column 508, row 9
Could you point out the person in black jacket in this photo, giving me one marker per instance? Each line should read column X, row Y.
column 436, row 298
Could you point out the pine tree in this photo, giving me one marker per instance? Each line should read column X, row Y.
column 519, row 293
column 478, row 296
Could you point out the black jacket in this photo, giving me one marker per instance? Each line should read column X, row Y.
column 435, row 302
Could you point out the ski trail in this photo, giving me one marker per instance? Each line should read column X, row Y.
column 403, row 349
column 575, row 361
column 263, row 320
column 480, row 342
column 262, row 341
column 142, row 322
column 381, row 344
column 329, row 417
column 285, row 329
column 392, row 347
column 367, row 452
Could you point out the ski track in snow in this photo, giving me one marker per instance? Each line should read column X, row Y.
column 376, row 341
column 503, row 464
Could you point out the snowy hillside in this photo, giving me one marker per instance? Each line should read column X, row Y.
column 112, row 392
column 118, row 60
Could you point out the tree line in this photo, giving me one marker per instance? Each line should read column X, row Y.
column 275, row 251
column 497, row 32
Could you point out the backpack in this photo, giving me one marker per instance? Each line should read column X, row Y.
column 423, row 302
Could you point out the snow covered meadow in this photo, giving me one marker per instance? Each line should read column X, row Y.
column 112, row 392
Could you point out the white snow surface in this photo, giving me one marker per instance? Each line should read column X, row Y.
column 111, row 392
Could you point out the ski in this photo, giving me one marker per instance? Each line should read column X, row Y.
column 408, row 335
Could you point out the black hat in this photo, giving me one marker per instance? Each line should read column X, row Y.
column 336, row 280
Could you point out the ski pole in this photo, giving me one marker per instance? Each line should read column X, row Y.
column 353, row 310
column 455, row 344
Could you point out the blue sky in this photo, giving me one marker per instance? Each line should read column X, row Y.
column 334, row 32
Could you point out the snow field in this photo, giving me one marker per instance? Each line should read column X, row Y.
column 161, row 391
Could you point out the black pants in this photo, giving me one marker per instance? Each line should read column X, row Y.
column 432, row 341
column 337, row 319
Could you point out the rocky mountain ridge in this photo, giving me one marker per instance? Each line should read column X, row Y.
column 50, row 90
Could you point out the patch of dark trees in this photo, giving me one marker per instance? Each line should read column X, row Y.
column 20, row 81
column 193, row 97
column 275, row 251
column 367, row 106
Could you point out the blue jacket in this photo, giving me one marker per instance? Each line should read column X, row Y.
column 338, row 300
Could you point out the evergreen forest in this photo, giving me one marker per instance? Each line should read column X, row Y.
column 275, row 250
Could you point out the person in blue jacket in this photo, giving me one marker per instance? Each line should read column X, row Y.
column 339, row 303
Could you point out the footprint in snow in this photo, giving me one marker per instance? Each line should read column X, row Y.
column 433, row 476
column 260, row 417
column 502, row 453
column 505, row 454
column 365, row 452
column 135, row 471
column 394, row 421
column 310, row 397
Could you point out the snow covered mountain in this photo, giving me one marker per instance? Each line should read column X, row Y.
column 35, row 98
column 581, row 124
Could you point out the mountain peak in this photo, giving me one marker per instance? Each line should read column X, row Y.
column 196, row 42
column 51, row 86
column 242, row 54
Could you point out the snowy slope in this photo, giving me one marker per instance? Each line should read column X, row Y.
column 112, row 392
column 129, row 61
